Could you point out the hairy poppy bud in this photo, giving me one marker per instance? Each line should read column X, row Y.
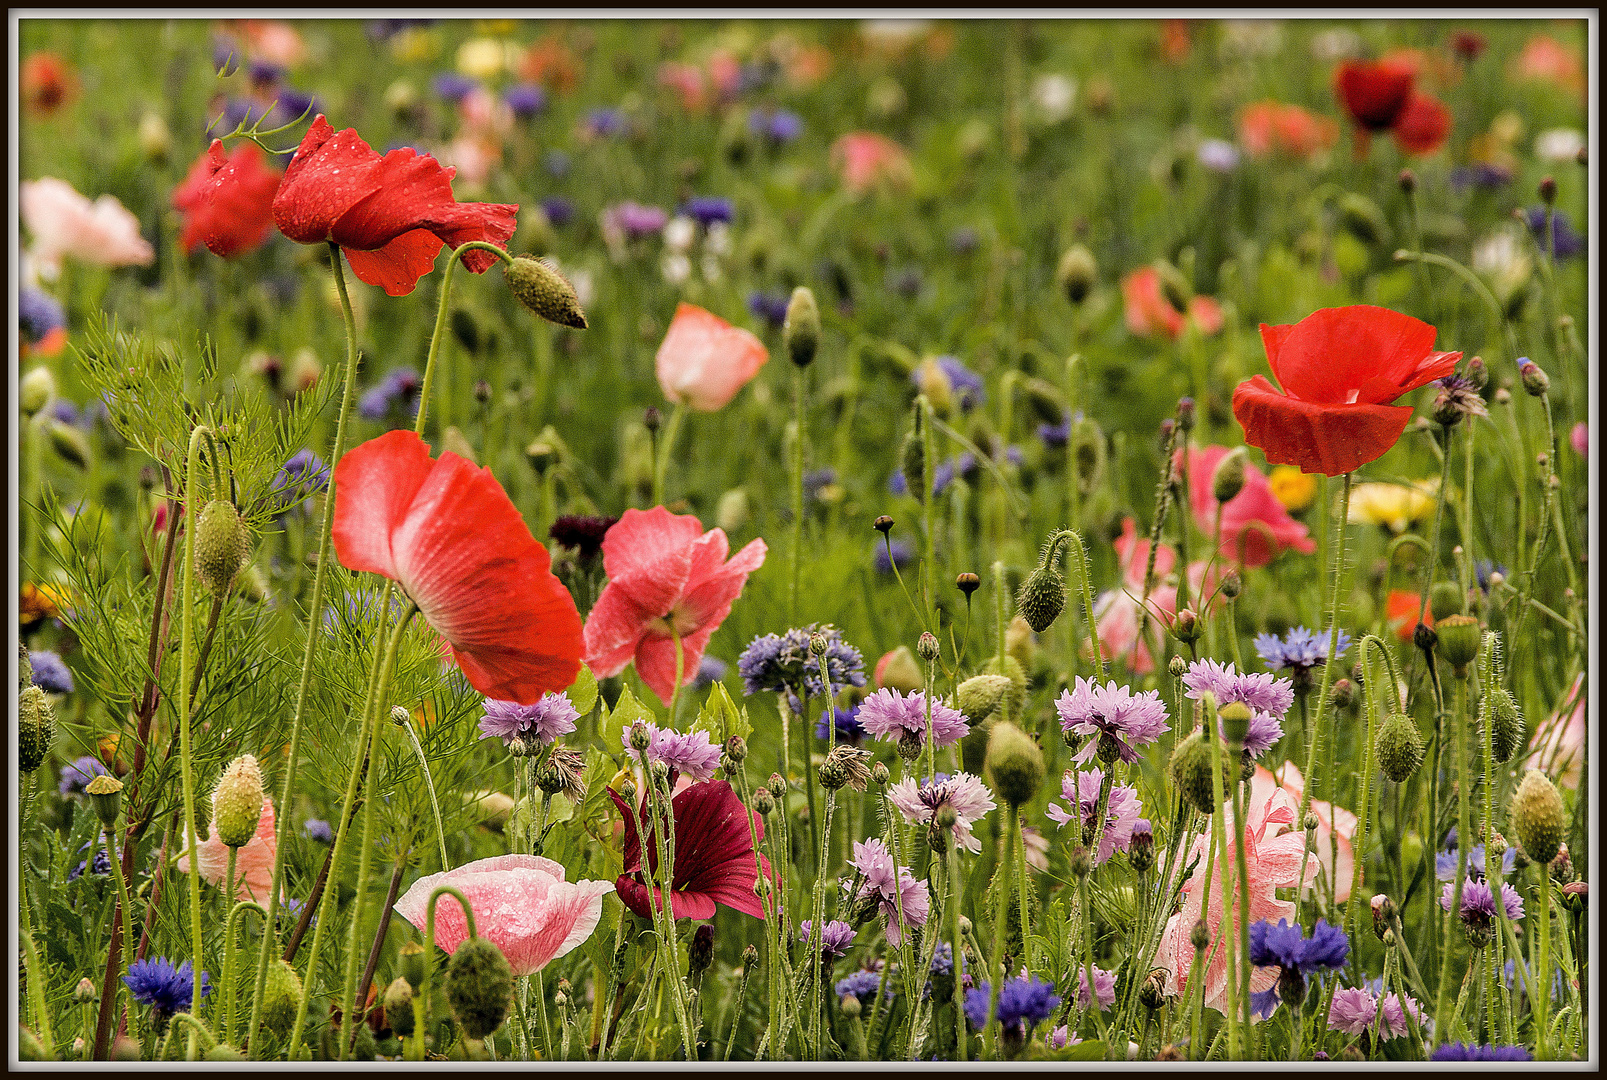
column 237, row 802
column 34, row 391
column 1232, row 585
column 1014, row 764
column 24, row 667
column 926, row 646
column 1186, row 627
column 282, row 994
column 1042, row 596
column 545, row 293
column 1235, row 717
column 1228, row 478
column 36, row 728
column 222, row 544
column 1077, row 273
column 410, row 962
column 1399, row 746
column 1445, row 600
column 1191, row 773
column 106, row 792
column 224, row 1052
column 1177, row 666
column 913, row 459
column 1538, row 818
column 1459, row 642
column 1010, row 668
column 1535, row 381
column 800, row 331
column 479, row 986
column 399, row 1007
column 1200, row 936
column 883, row 524
column 850, row 1006
column 1507, row 728
column 968, row 584
column 979, row 696
column 69, row 443
column 700, row 953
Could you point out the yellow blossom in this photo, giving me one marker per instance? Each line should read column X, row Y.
column 415, row 45
column 481, row 58
column 1397, row 507
column 1292, row 487
column 40, row 602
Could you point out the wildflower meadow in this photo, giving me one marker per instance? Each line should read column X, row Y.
column 627, row 540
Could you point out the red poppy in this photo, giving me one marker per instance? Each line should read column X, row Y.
column 1150, row 314
column 1400, row 612
column 47, row 83
column 1340, row 368
column 227, row 200
column 1374, row 93
column 447, row 533
column 713, row 855
column 1266, row 126
column 389, row 214
column 1468, row 45
column 1423, row 125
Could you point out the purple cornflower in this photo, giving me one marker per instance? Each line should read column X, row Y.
column 1478, row 901
column 835, row 941
column 38, row 313
column 75, row 777
column 769, row 306
column 962, row 465
column 690, row 753
column 1445, row 863
column 1104, row 986
column 601, row 123
column 1117, row 721
column 1298, row 649
column 1023, row 1005
column 1263, row 1003
column 264, row 73
column 1055, row 436
column 302, row 475
column 556, row 162
column 398, row 391
column 862, row 984
column 708, row 209
column 50, row 672
column 783, row 663
column 525, row 99
column 892, row 715
column 318, row 831
column 97, row 863
column 965, row 384
column 166, row 989
column 710, row 670
column 942, row 968
column 1081, row 789
column 1458, row 397
column 453, row 87
column 1482, row 175
column 885, row 554
column 1287, row 948
column 559, row 210
column 66, row 412
column 1267, row 696
column 779, row 126
column 964, row 240
column 1062, row 1037
column 635, row 219
column 1482, row 569
column 1352, row 1010
column 849, row 729
column 225, row 57
column 887, row 886
column 542, row 722
column 964, row 793
column 1567, row 243
column 1475, row 1052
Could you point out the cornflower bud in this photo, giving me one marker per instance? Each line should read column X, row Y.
column 926, row 646
column 652, row 419
column 1478, row 374
column 763, row 802
column 1232, row 585
column 1407, row 181
column 880, row 774
column 1185, row 413
column 640, row 738
column 85, row 993
column 968, row 584
column 1343, row 694
column 1079, row 861
column 1186, row 627
column 736, row 748
column 1177, row 666
column 400, row 714
column 1535, row 381
column 778, row 787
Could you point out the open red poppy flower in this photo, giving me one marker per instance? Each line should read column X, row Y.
column 1340, row 369
column 447, row 533
column 1423, row 125
column 713, row 855
column 389, row 214
column 1374, row 93
column 227, row 200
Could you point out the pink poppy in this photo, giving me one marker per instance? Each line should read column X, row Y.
column 253, row 866
column 666, row 576
column 1268, row 126
column 1255, row 525
column 63, row 223
column 1333, row 823
column 1273, row 844
column 447, row 533
column 713, row 855
column 1150, row 314
column 522, row 905
column 865, row 159
column 704, row 360
column 1547, row 60
column 1117, row 613
column 1557, row 747
column 687, row 81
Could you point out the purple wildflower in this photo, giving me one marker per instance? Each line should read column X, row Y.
column 965, row 384
column 862, row 984
column 1268, row 697
column 635, row 219
column 1474, row 1052
column 770, row 307
column 835, row 941
column 1445, row 863
column 890, row 714
column 1117, row 721
column 708, row 209
column 783, row 663
column 690, row 753
column 559, row 210
column 1104, row 986
column 886, row 554
column 964, row 793
column 38, row 313
column 75, row 777
column 849, row 729
column 601, row 123
column 452, row 86
column 1566, row 242
column 888, row 886
column 397, row 392
column 525, row 99
column 1478, row 901
column 542, row 722
column 318, row 831
column 1299, row 648
column 710, row 670
column 1023, row 1004
column 166, row 989
column 1081, row 789
column 50, row 672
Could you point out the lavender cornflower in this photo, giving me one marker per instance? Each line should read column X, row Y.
column 817, row 480
column 1473, row 1052
column 67, row 412
column 1117, row 720
column 892, row 715
column 559, row 210
column 1263, row 1003
column 1104, row 986
column 887, row 886
column 690, row 753
column 886, row 554
column 1445, row 863
column 1286, row 947
column 601, row 123
column 834, row 942
column 779, row 126
column 318, row 831
column 450, row 86
column 708, row 209
column 1483, row 568
column 1478, row 907
column 75, row 777
column 964, row 793
column 1299, row 650
column 1055, row 436
column 525, row 99
column 862, row 984
column 38, row 314
column 302, row 475
column 1483, row 175
column 50, row 672
column 1023, row 1005
column 1566, row 242
column 710, row 670
column 97, row 863
column 849, row 729
column 166, row 989
column 1352, row 1011
column 1062, row 1037
column 770, row 307
column 1267, row 696
column 1122, row 811
column 541, row 723
column 399, row 390
column 782, row 663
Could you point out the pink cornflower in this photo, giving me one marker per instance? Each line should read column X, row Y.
column 1268, row 697
column 889, row 885
column 965, row 793
column 1104, row 986
column 691, row 753
column 1122, row 812
column 1118, row 720
column 1354, row 1010
column 890, row 714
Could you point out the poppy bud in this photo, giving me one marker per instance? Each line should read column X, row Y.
column 1424, row 637
column 1185, row 413
column 282, row 994
column 1174, row 286
column 1507, row 728
column 1445, row 600
column 1363, row 217
column 913, row 458
column 732, row 511
column 1191, row 773
column 410, row 962
column 850, row 1006
column 1020, row 642
column 1014, row 764
column 1010, row 668
column 1235, row 717
column 899, row 670
column 1548, row 190
column 36, row 728
column 883, row 524
column 1079, row 862
column 1343, row 694
column 763, row 802
column 1538, row 818
column 106, row 792
column 1459, row 639
column 1399, row 746
column 29, row 1048
column 1200, row 936
column 968, row 584
column 800, row 331
column 1408, row 181
column 1535, row 381
column 154, row 138
column 1077, row 273
column 1177, row 666
column 1042, row 596
column 700, row 953
column 224, row 1052
column 24, row 667
column 879, row 773
column 222, row 544
column 1228, row 478
column 69, row 443
column 545, row 293
column 542, row 455
column 34, row 391
column 1186, row 627
column 1232, row 585
column 926, row 647
column 979, row 696
column 479, row 986
column 237, row 802
column 652, row 419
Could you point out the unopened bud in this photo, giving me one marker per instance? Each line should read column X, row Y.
column 880, row 774
column 1076, row 273
column 1235, row 717
column 1478, row 373
column 652, row 419
column 1343, row 694
column 818, row 643
column 801, row 329
column 1200, row 936
column 926, row 647
column 410, row 962
column 736, row 748
column 1508, row 731
column 763, row 802
column 1459, row 640
column 883, row 524
column 1538, row 818
column 35, row 390
column 850, row 1006
column 1535, row 381
column 1185, row 413
column 106, row 792
column 1424, row 638
column 237, row 802
column 1186, row 627
column 1232, row 585
column 400, row 715
column 1079, row 861
column 1014, row 764
column 36, row 728
column 1177, row 666
column 479, row 986
column 778, row 787
column 1407, row 181
column 1399, row 746
column 1548, row 190
column 968, row 584
column 545, row 293
column 1228, row 478
column 85, row 993
column 641, row 738
column 222, row 544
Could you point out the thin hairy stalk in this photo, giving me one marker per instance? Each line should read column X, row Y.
column 230, row 963
column 795, row 552
column 1464, row 840
column 186, row 630
column 1225, row 932
column 429, row 786
column 440, row 316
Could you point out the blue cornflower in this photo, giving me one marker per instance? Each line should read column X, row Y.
column 779, row 126
column 964, row 240
column 66, row 412
column 304, row 474
column 604, row 122
column 1483, row 568
column 1566, row 242
column 710, row 670
column 783, row 664
column 225, row 57
column 1483, row 175
column 962, row 465
column 318, row 830
column 1023, row 1004
column 452, row 86
column 1475, row 1052
column 265, row 72
column 385, row 29
column 862, row 984
column 166, row 989
column 708, row 209
column 1264, row 1003
column 76, row 776
column 769, row 306
column 38, row 313
column 1286, row 947
column 849, row 729
column 1055, row 436
column 97, row 864
column 50, row 673
column 965, row 384
column 1445, row 863
column 1299, row 649
column 399, row 388
column 559, row 210
column 886, row 555
column 525, row 99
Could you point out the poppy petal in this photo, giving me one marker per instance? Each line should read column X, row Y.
column 413, row 191
column 1331, row 354
column 704, row 360
column 713, row 585
column 330, row 172
column 613, row 628
column 1423, row 124
column 1272, row 339
column 648, row 555
column 398, row 265
column 375, row 484
column 1373, row 94
column 1315, row 438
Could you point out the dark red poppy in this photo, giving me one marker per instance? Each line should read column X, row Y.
column 227, row 200
column 389, row 214
column 1423, row 125
column 47, row 83
column 1340, row 369
column 713, row 855
column 447, row 533
column 1468, row 45
column 1373, row 93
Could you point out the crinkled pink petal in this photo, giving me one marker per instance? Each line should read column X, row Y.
column 704, row 360
column 253, row 870
column 648, row 555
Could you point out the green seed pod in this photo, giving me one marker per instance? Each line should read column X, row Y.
column 545, row 293
column 1235, row 717
column 801, row 330
column 280, row 996
column 979, row 696
column 224, row 1052
column 34, row 391
column 1508, row 731
column 479, row 986
column 1400, row 747
column 1459, row 641
column 410, row 962
column 1538, row 817
column 70, row 444
column 1010, row 668
column 36, row 728
column 1077, row 273
column 1191, row 772
column 1228, row 478
column 237, row 802
column 913, row 456
column 1042, row 597
column 399, row 1007
column 1445, row 600
column 222, row 544
column 106, row 793
column 1014, row 764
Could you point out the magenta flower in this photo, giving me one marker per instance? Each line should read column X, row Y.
column 890, row 714
column 967, row 795
column 1116, row 720
column 713, row 855
column 691, row 753
column 1122, row 812
column 1478, row 900
column 890, row 885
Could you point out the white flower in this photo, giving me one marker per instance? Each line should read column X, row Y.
column 675, row 267
column 679, row 233
column 717, row 241
column 1335, row 44
column 1558, row 144
column 712, row 273
column 1054, row 95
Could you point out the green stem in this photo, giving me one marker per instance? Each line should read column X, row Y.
column 666, row 447
column 429, row 785
column 34, row 970
column 226, row 1021
column 1241, row 871
column 923, row 409
column 122, row 898
column 1075, row 539
column 440, row 316
column 795, row 554
column 961, row 1051
column 1464, row 841
column 423, row 993
column 1542, row 997
column 186, row 636
column 198, row 1030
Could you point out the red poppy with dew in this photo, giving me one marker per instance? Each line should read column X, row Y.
column 227, row 200
column 389, row 214
column 714, row 859
column 1341, row 369
column 447, row 533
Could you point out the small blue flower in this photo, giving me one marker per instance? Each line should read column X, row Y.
column 708, row 209
column 1483, row 568
column 778, row 127
column 452, row 86
column 66, row 412
column 1265, row 1003
column 902, row 554
column 1474, row 1052
column 1566, row 242
column 601, row 123
column 862, row 984
column 769, row 306
column 265, row 72
column 783, row 664
column 966, row 384
column 964, row 240
column 1023, row 1004
column 1483, row 175
column 1299, row 648
column 97, row 864
column 76, row 776
column 559, row 210
column 1445, row 863
column 163, row 987
column 50, row 673
column 710, row 670
column 849, row 729
column 525, row 99
column 399, row 389
column 816, row 479
column 1287, row 946
column 38, row 313
column 318, row 831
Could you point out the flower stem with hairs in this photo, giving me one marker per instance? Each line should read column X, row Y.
column 226, row 1020
column 440, row 319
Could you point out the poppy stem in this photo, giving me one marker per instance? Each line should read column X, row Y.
column 122, row 898
column 226, row 1020
column 315, row 607
column 32, row 968
column 1241, row 871
column 440, row 320
column 186, row 637
column 666, row 447
column 423, row 992
column 429, row 786
column 1225, row 928
column 795, row 554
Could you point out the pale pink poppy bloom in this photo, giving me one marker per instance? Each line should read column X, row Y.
column 1117, row 613
column 484, row 114
column 1557, row 747
column 1334, row 823
column 1579, row 439
column 1255, row 525
column 704, row 360
column 253, row 866
column 63, row 223
column 666, row 576
column 864, row 159
column 687, row 81
column 1273, row 844
column 522, row 905
column 1150, row 314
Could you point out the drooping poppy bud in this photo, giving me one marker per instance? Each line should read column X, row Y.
column 1538, row 817
column 545, row 293
column 1399, row 746
column 479, row 986
column 280, row 997
column 1014, row 764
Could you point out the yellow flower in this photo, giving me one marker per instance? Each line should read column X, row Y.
column 415, row 45
column 481, row 58
column 1292, row 487
column 1397, row 507
column 38, row 602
